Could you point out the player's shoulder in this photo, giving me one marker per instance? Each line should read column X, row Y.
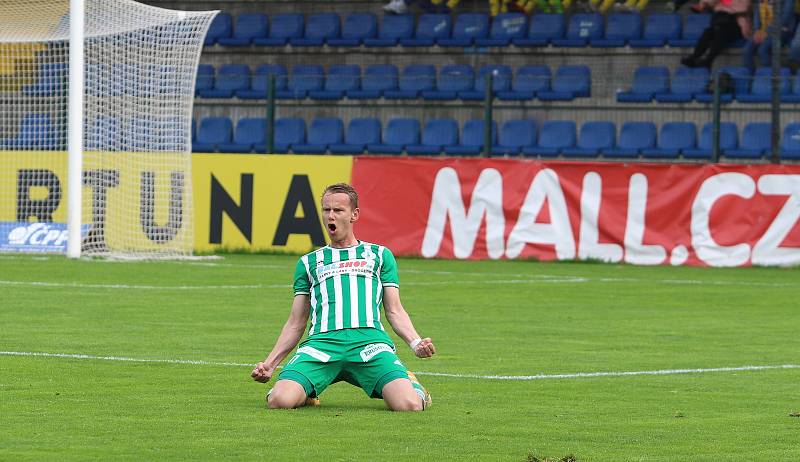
column 311, row 254
column 377, row 248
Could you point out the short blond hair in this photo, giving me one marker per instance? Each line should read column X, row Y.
column 345, row 189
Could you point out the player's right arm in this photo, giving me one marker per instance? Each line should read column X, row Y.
column 289, row 337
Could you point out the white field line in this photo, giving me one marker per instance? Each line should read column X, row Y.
column 577, row 375
column 541, row 279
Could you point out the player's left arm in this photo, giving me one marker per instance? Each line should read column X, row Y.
column 401, row 323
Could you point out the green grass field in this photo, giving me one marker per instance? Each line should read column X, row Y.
column 206, row 321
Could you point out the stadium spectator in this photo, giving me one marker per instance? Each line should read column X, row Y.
column 730, row 21
column 341, row 287
column 761, row 41
column 603, row 6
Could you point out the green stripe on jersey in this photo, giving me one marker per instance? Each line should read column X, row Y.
column 345, row 286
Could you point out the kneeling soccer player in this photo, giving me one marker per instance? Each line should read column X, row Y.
column 341, row 287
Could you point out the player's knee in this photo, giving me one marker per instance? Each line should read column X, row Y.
column 409, row 404
column 279, row 400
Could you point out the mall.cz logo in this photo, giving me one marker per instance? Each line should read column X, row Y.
column 41, row 234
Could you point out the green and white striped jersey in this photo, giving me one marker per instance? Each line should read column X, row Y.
column 345, row 285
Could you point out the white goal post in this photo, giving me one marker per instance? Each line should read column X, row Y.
column 95, row 127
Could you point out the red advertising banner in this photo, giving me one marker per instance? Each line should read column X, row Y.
column 648, row 214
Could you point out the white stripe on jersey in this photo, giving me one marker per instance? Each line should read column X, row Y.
column 353, row 291
column 337, row 295
column 312, row 293
column 323, row 287
column 379, row 289
column 368, row 300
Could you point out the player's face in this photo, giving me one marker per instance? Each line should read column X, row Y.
column 339, row 216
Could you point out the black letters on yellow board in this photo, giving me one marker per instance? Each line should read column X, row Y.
column 309, row 223
column 241, row 214
column 41, row 209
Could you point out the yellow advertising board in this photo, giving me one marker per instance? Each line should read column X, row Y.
column 262, row 202
column 139, row 201
column 131, row 201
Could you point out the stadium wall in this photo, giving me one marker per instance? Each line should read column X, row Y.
column 642, row 213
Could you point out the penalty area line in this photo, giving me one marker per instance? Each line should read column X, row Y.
column 577, row 375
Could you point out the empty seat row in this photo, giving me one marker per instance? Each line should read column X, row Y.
column 385, row 80
column 554, row 138
column 468, row 29
column 687, row 84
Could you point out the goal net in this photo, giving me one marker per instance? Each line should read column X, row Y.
column 139, row 73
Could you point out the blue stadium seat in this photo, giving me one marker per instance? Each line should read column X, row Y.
column 212, row 132
column 505, row 27
column 593, row 138
column 96, row 75
column 284, row 27
column 741, row 81
column 452, row 79
column 260, row 82
column 693, row 27
column 221, row 27
column 360, row 133
column 620, row 29
column 205, row 78
column 658, row 29
column 125, row 79
column 51, row 80
column 356, row 28
column 414, row 79
column 467, row 28
column 790, row 141
column 36, row 132
column 728, row 139
column 501, row 81
column 528, row 81
column 761, row 89
column 304, row 78
column 249, row 26
column 647, row 81
column 320, row 27
column 437, row 134
column 756, row 141
column 230, row 79
column 633, row 138
column 515, row 135
column 554, row 136
column 377, row 79
column 685, row 85
column 582, row 28
column 288, row 131
column 472, row 139
column 323, row 132
column 673, row 139
column 794, row 94
column 393, row 28
column 104, row 133
column 249, row 133
column 341, row 78
column 398, row 134
column 569, row 82
column 430, row 27
column 543, row 29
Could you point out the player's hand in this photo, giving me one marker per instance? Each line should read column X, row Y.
column 425, row 349
column 262, row 373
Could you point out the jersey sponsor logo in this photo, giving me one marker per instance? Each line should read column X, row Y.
column 369, row 254
column 20, row 236
column 314, row 353
column 353, row 267
column 373, row 349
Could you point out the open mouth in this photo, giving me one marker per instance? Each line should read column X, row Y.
column 331, row 227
